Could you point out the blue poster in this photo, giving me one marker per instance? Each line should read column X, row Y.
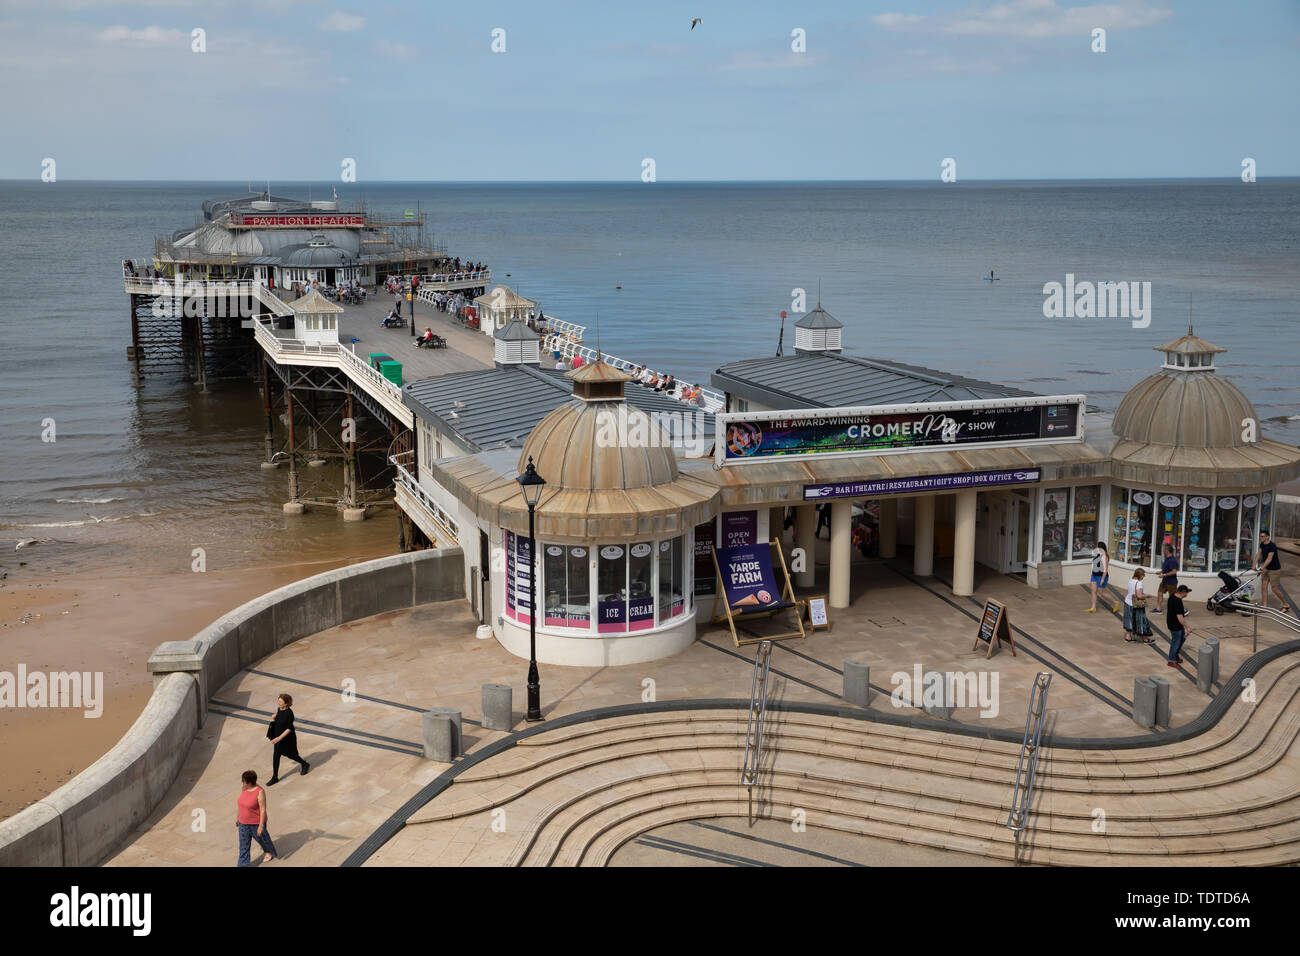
column 747, row 580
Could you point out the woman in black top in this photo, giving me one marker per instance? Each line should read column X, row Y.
column 285, row 741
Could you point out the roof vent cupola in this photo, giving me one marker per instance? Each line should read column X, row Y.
column 517, row 344
column 818, row 331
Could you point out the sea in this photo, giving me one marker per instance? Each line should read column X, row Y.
column 684, row 277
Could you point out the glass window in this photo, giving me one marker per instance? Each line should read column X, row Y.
column 1087, row 499
column 1248, row 536
column 611, row 586
column 567, row 590
column 1265, row 514
column 1197, row 555
column 1056, row 512
column 1225, row 534
column 671, row 575
column 1140, row 522
column 1119, row 524
column 1169, row 525
column 641, row 594
column 706, row 577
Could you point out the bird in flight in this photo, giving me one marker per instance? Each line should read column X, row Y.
column 696, row 21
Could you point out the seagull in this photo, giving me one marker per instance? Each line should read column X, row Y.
column 97, row 520
column 25, row 542
column 696, row 21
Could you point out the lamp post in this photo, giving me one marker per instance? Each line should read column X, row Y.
column 531, row 483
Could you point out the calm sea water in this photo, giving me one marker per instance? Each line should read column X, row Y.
column 139, row 477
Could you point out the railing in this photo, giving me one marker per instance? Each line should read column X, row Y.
column 168, row 288
column 757, row 718
column 362, row 368
column 1027, row 769
column 714, row 401
column 439, row 516
column 1256, row 611
column 276, row 345
column 565, row 330
column 446, row 280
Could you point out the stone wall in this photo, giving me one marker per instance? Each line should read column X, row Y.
column 84, row 821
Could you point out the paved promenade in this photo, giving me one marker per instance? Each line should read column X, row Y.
column 365, row 753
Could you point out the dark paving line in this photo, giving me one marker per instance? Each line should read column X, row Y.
column 299, row 721
column 776, row 843
column 321, row 733
column 809, row 657
column 1164, row 655
column 779, row 673
column 703, row 853
column 335, row 690
column 1070, row 677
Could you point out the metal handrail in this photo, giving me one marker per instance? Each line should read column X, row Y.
column 757, row 720
column 1027, row 768
column 412, row 486
column 714, row 401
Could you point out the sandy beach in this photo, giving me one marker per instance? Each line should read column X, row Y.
column 51, row 620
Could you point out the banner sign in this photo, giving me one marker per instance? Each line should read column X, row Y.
column 333, row 220
column 893, row 429
column 895, row 486
column 519, row 579
column 747, row 579
column 739, row 527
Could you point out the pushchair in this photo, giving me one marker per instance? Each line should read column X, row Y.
column 1231, row 590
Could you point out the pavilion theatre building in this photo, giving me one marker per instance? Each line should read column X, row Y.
column 945, row 471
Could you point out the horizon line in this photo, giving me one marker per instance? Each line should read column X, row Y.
column 679, row 182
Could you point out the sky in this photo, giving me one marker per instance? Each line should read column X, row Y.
column 292, row 89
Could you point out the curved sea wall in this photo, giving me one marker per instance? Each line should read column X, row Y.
column 85, row 820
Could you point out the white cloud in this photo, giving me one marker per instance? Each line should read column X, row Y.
column 898, row 21
column 340, row 22
column 149, row 36
column 388, row 50
column 1034, row 19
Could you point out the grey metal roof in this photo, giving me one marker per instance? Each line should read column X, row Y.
column 516, row 331
column 819, row 318
column 501, row 405
column 827, row 380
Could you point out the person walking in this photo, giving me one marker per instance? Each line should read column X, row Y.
column 1269, row 566
column 1176, row 618
column 250, row 820
column 823, row 520
column 1168, row 576
column 283, row 738
column 1135, row 610
column 1100, row 577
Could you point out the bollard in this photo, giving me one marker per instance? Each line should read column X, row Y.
column 1144, row 702
column 1162, row 699
column 457, row 749
column 439, row 733
column 857, row 683
column 935, row 685
column 1213, row 642
column 497, row 712
column 1205, row 669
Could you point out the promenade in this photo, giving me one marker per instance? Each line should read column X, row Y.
column 366, row 754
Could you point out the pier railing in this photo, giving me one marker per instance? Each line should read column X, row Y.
column 456, row 280
column 442, row 521
column 714, row 401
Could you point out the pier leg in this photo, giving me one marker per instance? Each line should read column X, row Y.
column 293, row 506
column 201, row 359
column 314, row 460
column 137, row 380
column 269, row 411
column 352, row 509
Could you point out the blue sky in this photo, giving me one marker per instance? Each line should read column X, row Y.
column 586, row 91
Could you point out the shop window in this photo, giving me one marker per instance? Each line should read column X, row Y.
column 1056, row 514
column 640, row 585
column 1225, row 534
column 611, row 587
column 567, row 588
column 706, row 577
column 1248, row 537
column 1140, row 522
column 1087, row 499
column 671, row 579
column 1196, row 555
column 1119, row 524
column 1169, row 525
column 1265, row 513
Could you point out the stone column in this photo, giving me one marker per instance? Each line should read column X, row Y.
column 889, row 527
column 963, row 547
column 841, row 551
column 923, row 537
column 804, row 528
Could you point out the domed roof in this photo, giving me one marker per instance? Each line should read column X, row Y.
column 1188, row 407
column 599, row 446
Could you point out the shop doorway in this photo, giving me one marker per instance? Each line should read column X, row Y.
column 1016, row 513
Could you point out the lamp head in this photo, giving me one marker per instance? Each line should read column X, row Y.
column 531, row 483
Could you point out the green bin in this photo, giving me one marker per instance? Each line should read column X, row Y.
column 392, row 371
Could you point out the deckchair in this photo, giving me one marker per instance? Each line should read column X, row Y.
column 743, row 614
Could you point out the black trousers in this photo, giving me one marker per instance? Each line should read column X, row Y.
column 285, row 748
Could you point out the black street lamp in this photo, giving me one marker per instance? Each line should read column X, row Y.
column 532, row 484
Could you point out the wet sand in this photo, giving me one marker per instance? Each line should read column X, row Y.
column 51, row 620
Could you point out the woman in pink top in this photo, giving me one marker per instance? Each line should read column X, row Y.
column 251, row 820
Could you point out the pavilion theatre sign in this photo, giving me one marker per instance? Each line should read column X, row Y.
column 744, row 437
column 246, row 221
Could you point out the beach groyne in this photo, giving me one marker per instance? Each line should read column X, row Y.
column 83, row 822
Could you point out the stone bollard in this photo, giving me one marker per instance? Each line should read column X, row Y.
column 1162, row 699
column 453, row 715
column 929, row 683
column 857, row 683
column 1213, row 642
column 1144, row 702
column 1205, row 668
column 439, row 737
column 497, row 703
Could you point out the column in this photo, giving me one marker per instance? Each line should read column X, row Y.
column 923, row 537
column 889, row 527
column 841, row 551
column 805, row 525
column 963, row 545
column 776, row 523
